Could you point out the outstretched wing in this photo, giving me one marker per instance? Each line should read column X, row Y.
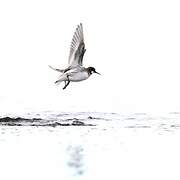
column 77, row 48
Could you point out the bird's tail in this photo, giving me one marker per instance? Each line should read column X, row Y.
column 61, row 78
column 59, row 70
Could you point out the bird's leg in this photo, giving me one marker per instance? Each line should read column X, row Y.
column 66, row 84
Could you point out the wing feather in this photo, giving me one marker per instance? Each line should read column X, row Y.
column 77, row 48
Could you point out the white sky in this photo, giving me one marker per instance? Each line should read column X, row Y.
column 135, row 45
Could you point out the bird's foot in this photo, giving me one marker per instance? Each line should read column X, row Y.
column 66, row 85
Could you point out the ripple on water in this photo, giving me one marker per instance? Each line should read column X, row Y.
column 170, row 122
column 19, row 121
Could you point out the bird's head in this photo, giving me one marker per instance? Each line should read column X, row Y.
column 92, row 70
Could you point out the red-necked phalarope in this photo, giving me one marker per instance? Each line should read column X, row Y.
column 75, row 71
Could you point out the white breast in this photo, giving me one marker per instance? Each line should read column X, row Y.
column 79, row 76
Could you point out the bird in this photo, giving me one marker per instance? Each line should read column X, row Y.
column 75, row 70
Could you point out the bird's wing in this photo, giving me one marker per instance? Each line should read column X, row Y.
column 77, row 48
column 75, row 70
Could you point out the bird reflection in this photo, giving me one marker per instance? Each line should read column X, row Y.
column 75, row 160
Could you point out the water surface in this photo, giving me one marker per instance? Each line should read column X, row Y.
column 89, row 145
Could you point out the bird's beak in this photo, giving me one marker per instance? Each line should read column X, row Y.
column 97, row 73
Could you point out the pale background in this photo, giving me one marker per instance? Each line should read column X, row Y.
column 133, row 44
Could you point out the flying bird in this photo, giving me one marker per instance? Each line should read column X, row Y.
column 75, row 70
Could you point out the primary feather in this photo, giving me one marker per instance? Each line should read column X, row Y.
column 77, row 48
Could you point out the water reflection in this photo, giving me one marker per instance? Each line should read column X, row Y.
column 76, row 159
